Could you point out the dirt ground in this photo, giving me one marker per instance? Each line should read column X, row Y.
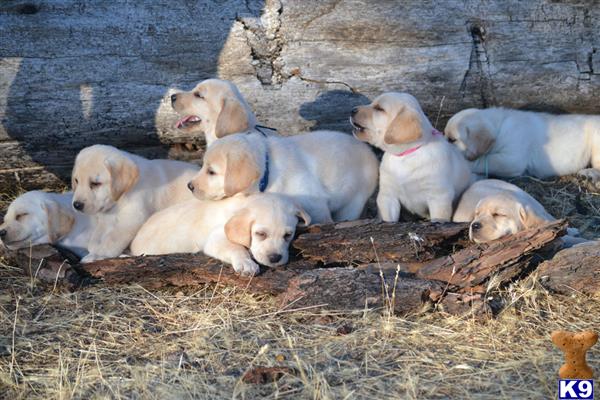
column 126, row 342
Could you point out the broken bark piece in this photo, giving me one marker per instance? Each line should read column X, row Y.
column 572, row 270
column 367, row 241
column 46, row 263
column 460, row 304
column 471, row 269
column 262, row 375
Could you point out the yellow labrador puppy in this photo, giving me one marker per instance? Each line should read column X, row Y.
column 496, row 209
column 121, row 191
column 420, row 170
column 504, row 142
column 215, row 108
column 330, row 174
column 263, row 223
column 45, row 218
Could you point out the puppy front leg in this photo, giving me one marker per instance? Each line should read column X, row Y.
column 318, row 210
column 112, row 242
column 219, row 247
column 388, row 207
column 440, row 209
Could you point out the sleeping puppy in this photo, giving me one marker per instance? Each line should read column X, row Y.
column 504, row 142
column 225, row 229
column 330, row 174
column 496, row 209
column 214, row 107
column 121, row 191
column 420, row 170
column 38, row 217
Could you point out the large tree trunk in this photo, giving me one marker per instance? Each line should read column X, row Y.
column 74, row 72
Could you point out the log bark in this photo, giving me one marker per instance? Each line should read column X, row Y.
column 74, row 72
column 366, row 241
column 574, row 270
column 346, row 279
column 471, row 270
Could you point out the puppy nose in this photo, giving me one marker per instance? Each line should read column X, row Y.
column 173, row 98
column 78, row 205
column 190, row 186
column 2, row 233
column 476, row 226
column 274, row 258
column 354, row 111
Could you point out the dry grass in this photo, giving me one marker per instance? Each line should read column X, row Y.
column 570, row 197
column 126, row 342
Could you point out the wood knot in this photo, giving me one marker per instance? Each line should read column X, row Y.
column 477, row 31
column 28, row 9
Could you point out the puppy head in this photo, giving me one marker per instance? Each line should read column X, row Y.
column 266, row 226
column 391, row 119
column 471, row 133
column 101, row 175
column 35, row 218
column 214, row 107
column 501, row 215
column 230, row 166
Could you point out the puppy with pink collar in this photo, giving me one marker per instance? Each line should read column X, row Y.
column 420, row 170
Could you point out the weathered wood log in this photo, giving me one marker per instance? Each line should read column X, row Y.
column 574, row 270
column 74, row 72
column 470, row 270
column 366, row 241
column 455, row 281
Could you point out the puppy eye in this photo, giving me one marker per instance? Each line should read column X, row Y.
column 260, row 235
column 94, row 185
column 20, row 216
column 76, row 181
column 287, row 237
column 495, row 215
column 210, row 171
column 198, row 95
column 451, row 139
column 378, row 108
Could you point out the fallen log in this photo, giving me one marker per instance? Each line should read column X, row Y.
column 576, row 269
column 470, row 269
column 423, row 265
column 367, row 241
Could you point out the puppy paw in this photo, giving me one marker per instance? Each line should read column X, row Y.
column 591, row 174
column 245, row 267
column 89, row 258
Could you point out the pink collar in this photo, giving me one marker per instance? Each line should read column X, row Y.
column 434, row 132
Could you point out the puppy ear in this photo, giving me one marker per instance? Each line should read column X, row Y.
column 232, row 117
column 241, row 172
column 480, row 141
column 124, row 173
column 529, row 218
column 239, row 228
column 59, row 221
column 303, row 217
column 405, row 128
